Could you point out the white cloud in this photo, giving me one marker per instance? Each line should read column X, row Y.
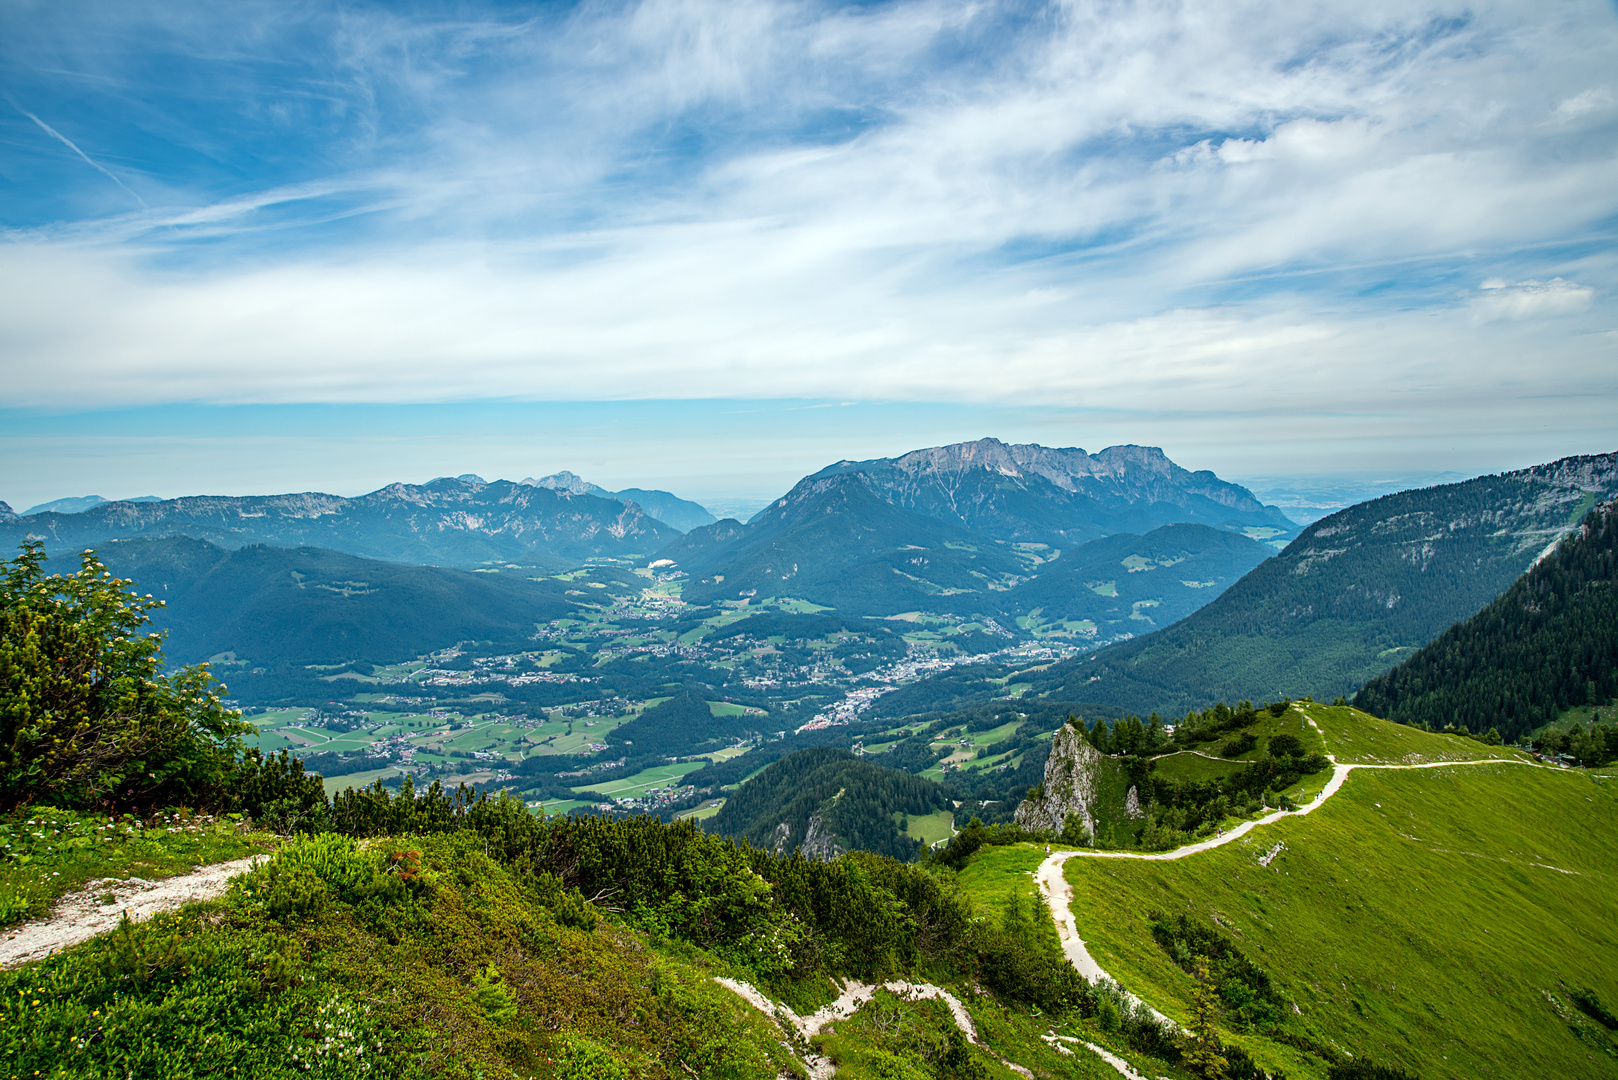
column 1098, row 203
column 1498, row 298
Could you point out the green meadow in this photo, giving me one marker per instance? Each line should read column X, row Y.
column 1434, row 920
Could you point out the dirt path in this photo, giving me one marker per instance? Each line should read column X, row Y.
column 82, row 915
column 1058, row 894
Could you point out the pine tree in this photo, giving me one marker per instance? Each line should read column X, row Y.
column 1204, row 1054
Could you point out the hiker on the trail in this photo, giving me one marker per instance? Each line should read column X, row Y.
column 1047, row 849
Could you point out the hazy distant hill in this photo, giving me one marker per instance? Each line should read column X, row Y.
column 1546, row 644
column 666, row 507
column 460, row 521
column 826, row 801
column 1128, row 585
column 315, row 606
column 1349, row 598
column 79, row 504
column 832, row 541
column 1062, row 497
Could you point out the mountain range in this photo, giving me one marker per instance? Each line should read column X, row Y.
column 79, row 504
column 1353, row 595
column 1026, row 493
column 453, row 521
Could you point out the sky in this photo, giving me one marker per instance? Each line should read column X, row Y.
column 255, row 247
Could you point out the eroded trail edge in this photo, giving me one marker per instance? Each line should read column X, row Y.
column 80, row 916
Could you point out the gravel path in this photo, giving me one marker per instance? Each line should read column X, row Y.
column 81, row 916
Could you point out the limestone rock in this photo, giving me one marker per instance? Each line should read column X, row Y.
column 820, row 842
column 1069, row 786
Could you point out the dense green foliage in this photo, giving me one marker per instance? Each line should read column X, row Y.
column 1548, row 642
column 314, row 606
column 1246, row 991
column 1582, row 744
column 423, row 956
column 88, row 716
column 1349, row 597
column 856, row 804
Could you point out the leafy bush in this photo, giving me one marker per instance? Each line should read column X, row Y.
column 89, row 718
column 87, row 715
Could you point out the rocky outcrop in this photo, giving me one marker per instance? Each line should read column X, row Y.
column 819, row 842
column 1069, row 787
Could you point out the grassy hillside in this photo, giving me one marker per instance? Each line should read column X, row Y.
column 1546, row 644
column 1349, row 598
column 1437, row 920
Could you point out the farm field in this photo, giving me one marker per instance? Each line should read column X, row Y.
column 634, row 786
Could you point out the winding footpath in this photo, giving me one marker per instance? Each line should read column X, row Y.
column 1058, row 894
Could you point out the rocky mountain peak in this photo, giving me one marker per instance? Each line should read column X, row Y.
column 570, row 482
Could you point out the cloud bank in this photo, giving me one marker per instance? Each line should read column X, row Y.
column 1329, row 207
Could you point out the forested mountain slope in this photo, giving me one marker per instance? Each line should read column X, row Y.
column 834, row 542
column 452, row 521
column 1127, row 585
column 1351, row 596
column 1547, row 643
column 309, row 605
column 825, row 801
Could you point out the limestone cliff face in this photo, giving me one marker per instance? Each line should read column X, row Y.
column 819, row 842
column 1069, row 786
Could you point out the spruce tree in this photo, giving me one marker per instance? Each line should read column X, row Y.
column 1204, row 1054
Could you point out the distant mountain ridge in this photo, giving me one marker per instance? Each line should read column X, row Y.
column 1351, row 596
column 78, row 504
column 1058, row 496
column 459, row 521
column 833, row 541
column 665, row 506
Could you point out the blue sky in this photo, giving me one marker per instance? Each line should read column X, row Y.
column 275, row 246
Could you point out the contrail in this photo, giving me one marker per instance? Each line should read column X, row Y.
column 67, row 142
